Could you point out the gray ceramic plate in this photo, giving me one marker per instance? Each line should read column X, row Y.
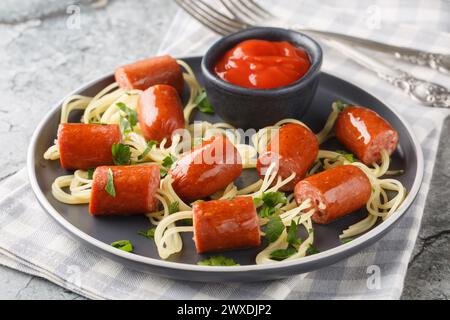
column 98, row 233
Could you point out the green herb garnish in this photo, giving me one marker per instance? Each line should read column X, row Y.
column 344, row 241
column 90, row 173
column 149, row 234
column 294, row 243
column 131, row 114
column 110, row 184
column 282, row 254
column 348, row 156
column 174, row 207
column 163, row 172
column 203, row 103
column 149, row 148
column 312, row 250
column 292, row 238
column 341, row 105
column 217, row 261
column 168, row 161
column 124, row 245
column 121, row 154
column 125, row 127
column 269, row 201
column 274, row 229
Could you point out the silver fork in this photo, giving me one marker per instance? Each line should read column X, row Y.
column 249, row 14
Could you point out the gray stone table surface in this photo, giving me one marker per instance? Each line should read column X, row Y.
column 44, row 55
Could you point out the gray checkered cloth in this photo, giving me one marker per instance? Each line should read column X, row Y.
column 30, row 241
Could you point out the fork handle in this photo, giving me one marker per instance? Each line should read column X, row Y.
column 428, row 93
column 437, row 61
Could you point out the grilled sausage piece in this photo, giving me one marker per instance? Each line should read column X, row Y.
column 135, row 190
column 334, row 193
column 225, row 224
column 293, row 149
column 365, row 133
column 160, row 112
column 85, row 146
column 206, row 169
column 143, row 74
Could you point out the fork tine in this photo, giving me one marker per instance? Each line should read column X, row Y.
column 205, row 18
column 245, row 11
column 208, row 9
column 263, row 12
column 253, row 9
column 238, row 13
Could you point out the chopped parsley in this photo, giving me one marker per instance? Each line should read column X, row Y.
column 203, row 103
column 269, row 201
column 274, row 229
column 282, row 254
column 217, row 261
column 149, row 234
column 341, row 105
column 312, row 250
column 125, row 127
column 131, row 114
column 90, row 173
column 162, row 172
column 121, row 154
column 110, row 184
column 124, row 245
column 292, row 238
column 167, row 163
column 294, row 243
column 149, row 148
column 344, row 241
column 174, row 207
column 348, row 156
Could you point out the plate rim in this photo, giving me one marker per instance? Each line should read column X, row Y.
column 352, row 246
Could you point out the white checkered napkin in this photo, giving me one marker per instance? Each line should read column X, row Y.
column 32, row 242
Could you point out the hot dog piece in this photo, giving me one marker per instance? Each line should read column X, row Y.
column 85, row 146
column 160, row 112
column 293, row 149
column 135, row 189
column 225, row 224
column 334, row 193
column 365, row 133
column 143, row 74
column 206, row 169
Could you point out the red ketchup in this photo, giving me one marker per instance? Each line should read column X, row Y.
column 260, row 64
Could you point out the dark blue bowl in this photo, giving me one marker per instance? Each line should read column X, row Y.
column 257, row 108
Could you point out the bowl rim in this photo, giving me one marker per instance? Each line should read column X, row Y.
column 352, row 246
column 247, row 34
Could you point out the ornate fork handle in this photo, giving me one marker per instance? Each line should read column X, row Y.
column 437, row 61
column 430, row 94
column 440, row 62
